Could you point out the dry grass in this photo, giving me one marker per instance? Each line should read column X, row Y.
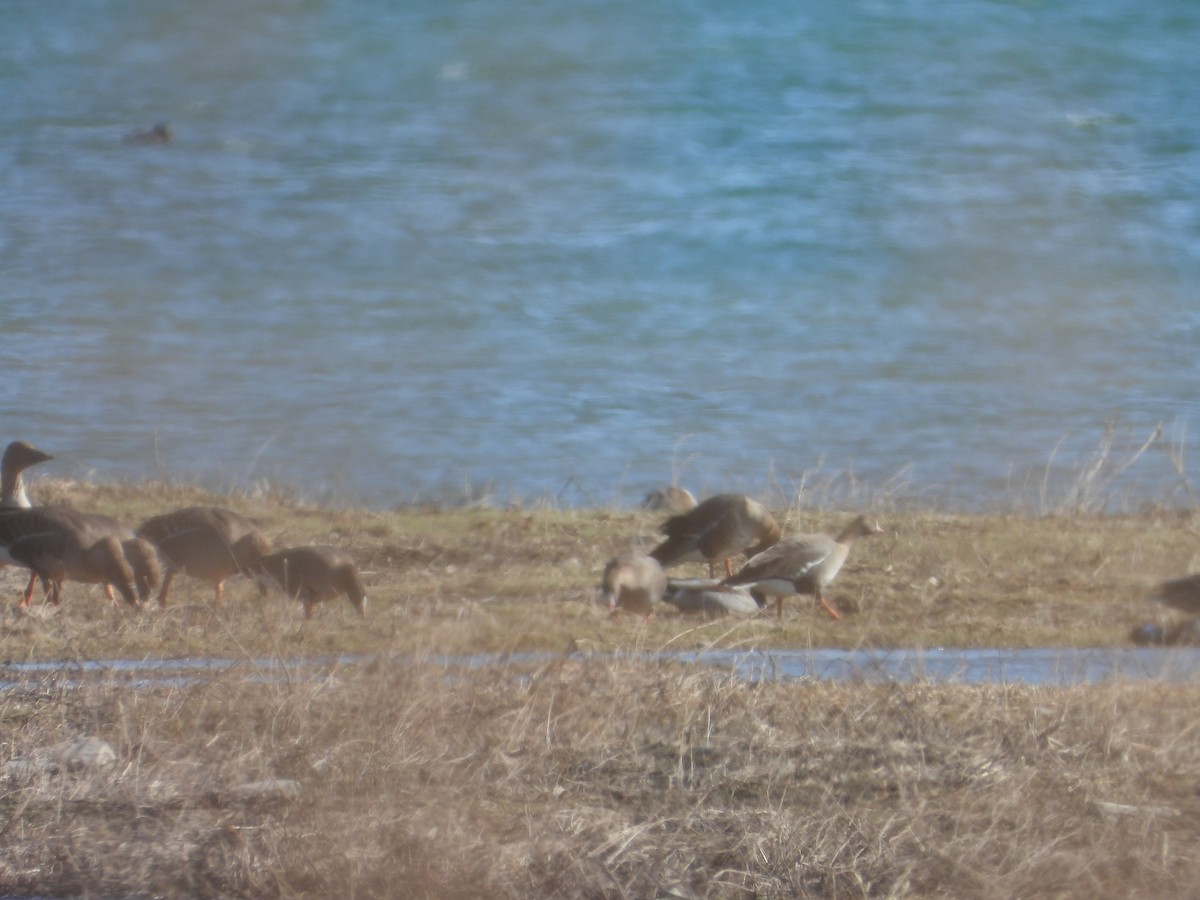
column 594, row 778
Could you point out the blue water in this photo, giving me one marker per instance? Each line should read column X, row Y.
column 403, row 251
column 1047, row 666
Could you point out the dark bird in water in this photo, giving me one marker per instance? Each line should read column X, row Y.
column 158, row 136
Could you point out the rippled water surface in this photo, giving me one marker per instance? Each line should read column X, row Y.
column 573, row 250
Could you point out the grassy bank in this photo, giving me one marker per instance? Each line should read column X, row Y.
column 586, row 776
column 476, row 580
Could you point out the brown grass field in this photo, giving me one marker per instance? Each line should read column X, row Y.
column 586, row 774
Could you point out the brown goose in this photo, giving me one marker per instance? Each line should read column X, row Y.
column 672, row 499
column 1180, row 593
column 802, row 565
column 633, row 582
column 18, row 525
column 72, row 554
column 716, row 529
column 206, row 542
column 18, row 456
column 311, row 575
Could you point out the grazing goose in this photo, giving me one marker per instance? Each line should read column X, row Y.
column 716, row 529
column 802, row 565
column 1180, row 593
column 633, row 582
column 17, row 525
column 18, row 456
column 710, row 599
column 311, row 575
column 72, row 554
column 206, row 542
column 670, row 499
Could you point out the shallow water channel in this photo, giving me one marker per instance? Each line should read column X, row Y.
column 1057, row 666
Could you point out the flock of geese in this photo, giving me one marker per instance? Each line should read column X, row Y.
column 714, row 531
column 722, row 526
column 59, row 544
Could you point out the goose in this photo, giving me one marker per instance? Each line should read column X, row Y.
column 18, row 456
column 206, row 542
column 710, row 599
column 672, row 499
column 716, row 529
column 73, row 554
column 312, row 575
column 1180, row 593
column 633, row 582
column 17, row 525
column 805, row 564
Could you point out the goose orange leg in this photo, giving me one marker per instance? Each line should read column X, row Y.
column 162, row 592
column 833, row 613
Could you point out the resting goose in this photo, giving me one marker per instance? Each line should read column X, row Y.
column 672, row 499
column 206, row 542
column 311, row 575
column 806, row 564
column 632, row 582
column 716, row 529
column 710, row 599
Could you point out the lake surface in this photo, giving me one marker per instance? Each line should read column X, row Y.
column 533, row 250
